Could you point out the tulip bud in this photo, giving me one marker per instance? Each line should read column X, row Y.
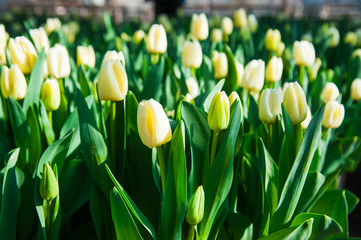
column 240, row 18
column 216, row 35
column 13, row 82
column 192, row 54
column 274, row 69
column 195, row 209
column 227, row 25
column 280, row 49
column 240, row 72
column 192, row 87
column 233, row 97
column 218, row 114
column 157, row 39
column 49, row 187
column 335, row 36
column 252, row 23
column 188, row 98
column 269, row 104
column 314, row 70
column 22, row 53
column 351, row 38
column 220, row 65
column 153, row 125
column 85, row 56
column 356, row 89
column 199, row 26
column 295, row 103
column 52, row 24
column 3, row 40
column 50, row 94
column 307, row 37
column 138, row 36
column 333, row 115
column 40, row 39
column 58, row 62
column 356, row 53
column 253, row 77
column 285, row 86
column 113, row 80
column 330, row 92
column 307, row 121
column 70, row 31
column 304, row 53
column 273, row 39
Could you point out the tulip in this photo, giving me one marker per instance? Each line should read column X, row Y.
column 227, row 25
column 220, row 65
column 192, row 87
column 138, row 36
column 3, row 40
column 22, row 53
column 356, row 53
column 58, row 61
column 199, row 26
column 216, row 35
column 13, row 82
column 333, row 115
column 280, row 49
column 40, row 39
column 295, row 103
column 157, row 39
column 269, row 104
column 351, row 38
column 50, row 94
column 240, row 72
column 307, row 37
column 153, row 125
column 274, row 69
column 307, row 121
column 314, row 70
column 192, row 54
column 252, row 23
column 113, row 80
column 253, row 77
column 330, row 92
column 52, row 24
column 188, row 98
column 85, row 56
column 304, row 53
column 218, row 114
column 195, row 209
column 335, row 37
column 273, row 39
column 285, row 86
column 70, row 31
column 356, row 89
column 233, row 97
column 240, row 18
column 49, row 187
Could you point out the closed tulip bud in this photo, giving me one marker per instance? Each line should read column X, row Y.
column 330, row 92
column 351, row 38
column 192, row 87
column 314, row 70
column 333, row 115
column 304, row 53
column 274, row 69
column 85, row 56
column 3, row 40
column 269, row 105
column 69, row 33
column 188, row 98
column 199, row 26
column 253, row 77
column 138, row 36
column 240, row 18
column 195, row 209
column 240, row 72
column 216, row 35
column 356, row 53
column 113, row 80
column 52, row 24
column 273, row 39
column 356, row 89
column 192, row 54
column 233, row 97
column 307, row 121
column 220, row 65
column 58, row 61
column 13, row 82
column 252, row 23
column 335, row 36
column 227, row 25
column 307, row 37
column 280, row 49
column 285, row 86
column 50, row 94
column 22, row 53
column 156, row 39
column 295, row 103
column 49, row 187
column 40, row 39
column 153, row 125
column 218, row 114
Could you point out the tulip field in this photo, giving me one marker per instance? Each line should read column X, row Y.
column 195, row 127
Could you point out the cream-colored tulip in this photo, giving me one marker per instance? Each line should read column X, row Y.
column 356, row 89
column 233, row 97
column 153, row 124
column 351, row 38
column 333, row 115
column 70, row 31
column 218, row 114
column 199, row 26
column 272, row 39
column 307, row 121
column 304, row 53
column 284, row 87
column 52, row 24
column 240, row 18
column 274, row 69
column 330, row 92
column 269, row 104
column 138, row 36
column 307, row 37
column 227, row 25
column 314, row 70
column 4, row 36
column 280, row 49
column 13, row 82
column 192, row 87
column 252, row 23
column 40, row 39
column 240, row 72
column 356, row 53
column 335, row 36
column 50, row 94
column 216, row 35
column 157, row 39
column 113, row 80
column 85, row 55
column 58, row 62
column 295, row 103
column 220, row 65
column 192, row 54
column 253, row 77
column 22, row 53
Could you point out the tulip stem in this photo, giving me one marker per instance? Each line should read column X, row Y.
column 191, row 232
column 50, row 116
column 193, row 73
column 162, row 167
column 154, row 58
column 48, row 219
column 112, row 134
column 214, row 148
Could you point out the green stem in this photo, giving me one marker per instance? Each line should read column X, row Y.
column 214, row 148
column 162, row 167
column 193, row 72
column 48, row 219
column 113, row 110
column 191, row 232
column 301, row 75
column 50, row 116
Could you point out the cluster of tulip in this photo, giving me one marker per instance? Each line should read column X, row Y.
column 237, row 134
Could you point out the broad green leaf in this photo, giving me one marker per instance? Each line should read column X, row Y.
column 132, row 109
column 232, row 78
column 153, row 81
column 239, row 226
column 207, row 103
column 35, row 143
column 303, row 231
column 83, row 81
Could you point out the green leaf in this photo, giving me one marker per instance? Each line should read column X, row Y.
column 83, row 81
column 303, row 231
column 208, row 101
column 240, row 226
column 35, row 143
column 45, row 125
column 132, row 110
column 153, row 81
column 231, row 79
